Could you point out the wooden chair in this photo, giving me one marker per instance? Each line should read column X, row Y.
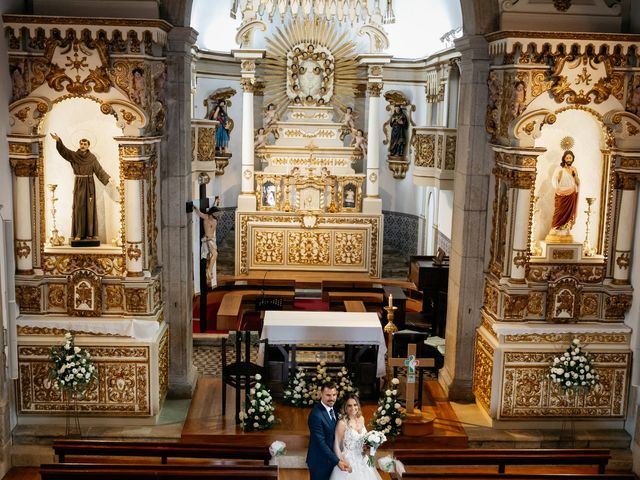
column 241, row 373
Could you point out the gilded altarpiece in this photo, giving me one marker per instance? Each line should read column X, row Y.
column 109, row 294
column 544, row 286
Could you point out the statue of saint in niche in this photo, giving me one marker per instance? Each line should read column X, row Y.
column 399, row 124
column 84, row 224
column 566, row 185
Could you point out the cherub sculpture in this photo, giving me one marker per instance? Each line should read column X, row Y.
column 359, row 141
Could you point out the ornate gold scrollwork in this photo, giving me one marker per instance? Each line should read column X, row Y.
column 483, row 372
column 582, row 78
column 374, row 89
column 84, row 294
column 615, row 306
column 564, row 300
column 24, row 167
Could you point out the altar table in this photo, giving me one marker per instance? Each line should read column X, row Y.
column 325, row 328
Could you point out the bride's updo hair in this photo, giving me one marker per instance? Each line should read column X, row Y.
column 343, row 408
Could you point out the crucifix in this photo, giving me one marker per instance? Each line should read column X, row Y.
column 412, row 363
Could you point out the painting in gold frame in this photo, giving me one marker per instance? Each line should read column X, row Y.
column 268, row 192
column 350, row 194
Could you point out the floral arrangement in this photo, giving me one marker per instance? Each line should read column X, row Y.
column 259, row 408
column 344, row 383
column 303, row 389
column 278, row 448
column 72, row 369
column 373, row 439
column 388, row 416
column 574, row 369
column 297, row 393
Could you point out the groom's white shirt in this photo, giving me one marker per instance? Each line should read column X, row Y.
column 328, row 409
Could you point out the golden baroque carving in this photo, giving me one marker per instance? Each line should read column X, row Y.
column 450, row 153
column 623, row 260
column 20, row 148
column 535, row 303
column 615, row 306
column 206, row 144
column 565, row 338
column 581, row 79
column 24, row 167
column 136, row 299
column 490, row 299
column 563, row 300
column 423, row 148
column 589, row 307
column 134, row 170
column 549, row 273
column 626, row 181
column 374, row 88
column 248, row 84
column 22, row 248
column 269, row 247
column 521, row 258
column 483, row 372
column 515, row 306
column 28, row 298
column 309, row 248
column 103, row 265
column 114, row 297
column 527, row 391
column 84, row 294
column 133, row 251
column 163, row 364
column 56, row 296
column 349, row 248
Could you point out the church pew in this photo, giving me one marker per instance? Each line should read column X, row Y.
column 354, row 306
column 517, row 476
column 501, row 458
column 228, row 317
column 161, row 450
column 87, row 471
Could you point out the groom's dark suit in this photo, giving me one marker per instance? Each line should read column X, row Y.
column 322, row 430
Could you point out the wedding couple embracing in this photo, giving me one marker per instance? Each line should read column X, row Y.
column 336, row 441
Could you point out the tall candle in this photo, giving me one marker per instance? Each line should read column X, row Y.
column 391, row 300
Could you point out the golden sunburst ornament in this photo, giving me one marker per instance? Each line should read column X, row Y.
column 304, row 48
column 567, row 143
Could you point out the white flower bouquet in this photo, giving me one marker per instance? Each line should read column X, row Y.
column 278, row 448
column 573, row 370
column 389, row 414
column 298, row 391
column 72, row 369
column 373, row 439
column 259, row 408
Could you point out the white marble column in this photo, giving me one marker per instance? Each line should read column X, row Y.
column 519, row 251
column 247, row 57
column 374, row 62
column 24, row 169
column 133, row 172
column 624, row 235
column 373, row 141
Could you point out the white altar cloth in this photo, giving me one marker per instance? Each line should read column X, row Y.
column 325, row 328
column 144, row 330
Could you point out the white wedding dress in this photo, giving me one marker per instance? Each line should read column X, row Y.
column 352, row 450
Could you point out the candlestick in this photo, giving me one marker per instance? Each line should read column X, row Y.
column 56, row 239
column 587, row 249
column 391, row 300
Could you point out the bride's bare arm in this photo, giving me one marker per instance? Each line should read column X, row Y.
column 340, row 428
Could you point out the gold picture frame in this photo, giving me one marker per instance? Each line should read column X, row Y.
column 268, row 192
column 350, row 194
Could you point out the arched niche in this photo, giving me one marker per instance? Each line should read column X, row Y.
column 582, row 132
column 73, row 119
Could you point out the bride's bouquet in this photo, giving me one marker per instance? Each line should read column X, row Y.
column 373, row 439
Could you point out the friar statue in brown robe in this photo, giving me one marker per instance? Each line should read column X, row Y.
column 85, row 165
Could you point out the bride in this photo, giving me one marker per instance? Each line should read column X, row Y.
column 349, row 443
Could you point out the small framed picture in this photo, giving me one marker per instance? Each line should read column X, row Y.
column 350, row 194
column 268, row 193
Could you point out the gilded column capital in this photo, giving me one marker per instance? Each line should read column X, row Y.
column 134, row 170
column 24, row 167
column 375, row 88
column 248, row 84
column 626, row 181
column 522, row 179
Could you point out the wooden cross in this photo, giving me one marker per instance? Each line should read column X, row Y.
column 412, row 363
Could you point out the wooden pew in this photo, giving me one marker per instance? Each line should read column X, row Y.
column 88, row 471
column 501, row 458
column 160, row 450
column 354, row 306
column 517, row 476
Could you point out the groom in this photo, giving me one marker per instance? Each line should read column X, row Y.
column 322, row 430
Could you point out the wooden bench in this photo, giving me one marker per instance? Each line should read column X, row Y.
column 501, row 458
column 161, row 450
column 345, row 288
column 83, row 471
column 517, row 476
